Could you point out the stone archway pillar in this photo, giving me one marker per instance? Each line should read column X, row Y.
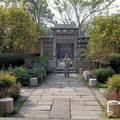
column 54, row 48
column 75, row 46
column 41, row 47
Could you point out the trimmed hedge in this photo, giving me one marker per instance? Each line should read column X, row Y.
column 102, row 74
column 115, row 62
column 7, row 59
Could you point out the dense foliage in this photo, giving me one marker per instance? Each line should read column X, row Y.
column 102, row 74
column 38, row 9
column 8, row 86
column 39, row 69
column 21, row 74
column 17, row 31
column 6, row 80
column 104, row 38
column 113, row 84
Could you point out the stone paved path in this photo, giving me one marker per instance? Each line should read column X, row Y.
column 61, row 98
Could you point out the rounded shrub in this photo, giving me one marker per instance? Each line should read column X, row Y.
column 7, row 59
column 7, row 80
column 114, row 62
column 102, row 74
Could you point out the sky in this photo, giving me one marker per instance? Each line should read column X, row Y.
column 116, row 5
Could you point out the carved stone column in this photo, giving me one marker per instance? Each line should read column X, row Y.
column 75, row 46
column 41, row 47
column 54, row 47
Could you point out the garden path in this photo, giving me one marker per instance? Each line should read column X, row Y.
column 60, row 98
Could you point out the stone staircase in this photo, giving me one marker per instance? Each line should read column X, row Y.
column 60, row 68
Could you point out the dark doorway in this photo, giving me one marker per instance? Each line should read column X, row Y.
column 63, row 49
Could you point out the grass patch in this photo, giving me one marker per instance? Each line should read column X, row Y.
column 100, row 85
column 15, row 110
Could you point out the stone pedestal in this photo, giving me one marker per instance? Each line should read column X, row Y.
column 85, row 72
column 92, row 82
column 81, row 70
column 113, row 108
column 33, row 82
column 87, row 75
column 6, row 105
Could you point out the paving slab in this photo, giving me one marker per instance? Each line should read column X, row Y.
column 30, row 103
column 60, row 109
column 33, row 114
column 40, row 107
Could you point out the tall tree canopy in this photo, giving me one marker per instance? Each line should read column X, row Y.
column 104, row 38
column 80, row 10
column 17, row 31
column 39, row 10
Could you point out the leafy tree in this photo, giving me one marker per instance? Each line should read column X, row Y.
column 18, row 31
column 41, row 14
column 104, row 38
column 80, row 10
column 4, row 23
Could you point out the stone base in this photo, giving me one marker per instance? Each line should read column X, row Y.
column 113, row 108
column 92, row 82
column 87, row 75
column 33, row 82
column 6, row 105
column 81, row 70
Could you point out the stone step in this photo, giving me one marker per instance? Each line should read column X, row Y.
column 63, row 71
column 37, row 118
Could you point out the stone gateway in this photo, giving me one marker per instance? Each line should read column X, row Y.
column 65, row 39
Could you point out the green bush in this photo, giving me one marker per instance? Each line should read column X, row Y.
column 6, row 80
column 7, row 59
column 42, row 61
column 114, row 62
column 37, row 72
column 102, row 74
column 21, row 74
column 114, row 83
column 113, row 91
